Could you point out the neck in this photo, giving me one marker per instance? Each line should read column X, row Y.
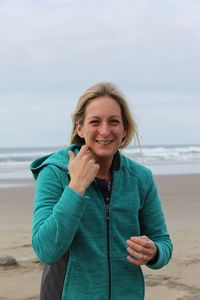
column 105, row 169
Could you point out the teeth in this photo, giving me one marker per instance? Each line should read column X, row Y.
column 104, row 142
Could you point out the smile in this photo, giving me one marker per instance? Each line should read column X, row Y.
column 104, row 142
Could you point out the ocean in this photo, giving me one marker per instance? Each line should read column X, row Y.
column 171, row 159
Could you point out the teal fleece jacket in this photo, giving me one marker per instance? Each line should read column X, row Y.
column 64, row 220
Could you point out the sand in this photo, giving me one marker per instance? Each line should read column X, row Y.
column 179, row 280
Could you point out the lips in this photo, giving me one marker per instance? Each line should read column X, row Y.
column 104, row 142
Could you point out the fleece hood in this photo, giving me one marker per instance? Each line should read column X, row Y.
column 59, row 159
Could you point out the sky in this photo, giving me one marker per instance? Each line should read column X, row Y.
column 52, row 51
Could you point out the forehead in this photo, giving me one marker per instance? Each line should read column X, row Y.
column 105, row 105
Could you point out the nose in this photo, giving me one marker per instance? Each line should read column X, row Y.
column 104, row 129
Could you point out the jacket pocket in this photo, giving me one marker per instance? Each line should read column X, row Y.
column 86, row 280
column 127, row 280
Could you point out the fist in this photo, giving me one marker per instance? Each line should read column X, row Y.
column 82, row 169
column 141, row 250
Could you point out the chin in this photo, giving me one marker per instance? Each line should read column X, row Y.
column 104, row 153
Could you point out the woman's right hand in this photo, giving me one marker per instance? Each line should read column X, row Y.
column 82, row 169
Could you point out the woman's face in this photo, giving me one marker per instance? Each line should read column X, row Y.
column 103, row 128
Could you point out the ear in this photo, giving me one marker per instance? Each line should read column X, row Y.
column 125, row 133
column 79, row 130
column 123, row 137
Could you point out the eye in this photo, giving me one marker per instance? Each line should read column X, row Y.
column 94, row 122
column 114, row 122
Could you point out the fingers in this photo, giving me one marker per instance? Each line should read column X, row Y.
column 71, row 155
column 137, row 257
column 138, row 262
column 84, row 152
column 141, row 250
column 82, row 169
column 84, row 149
column 96, row 167
column 141, row 243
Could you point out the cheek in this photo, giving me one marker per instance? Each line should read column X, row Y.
column 89, row 133
column 120, row 133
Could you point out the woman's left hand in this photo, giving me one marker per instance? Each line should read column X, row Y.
column 141, row 249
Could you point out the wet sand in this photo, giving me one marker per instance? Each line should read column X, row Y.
column 179, row 280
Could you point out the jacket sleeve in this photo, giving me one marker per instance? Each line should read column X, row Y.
column 153, row 225
column 56, row 216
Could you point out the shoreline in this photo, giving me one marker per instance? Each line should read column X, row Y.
column 29, row 181
column 179, row 280
column 16, row 183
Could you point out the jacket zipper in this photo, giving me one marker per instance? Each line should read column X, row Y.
column 108, row 244
column 107, row 205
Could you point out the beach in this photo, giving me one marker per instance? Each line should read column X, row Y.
column 179, row 280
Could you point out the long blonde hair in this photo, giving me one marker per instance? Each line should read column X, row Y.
column 99, row 90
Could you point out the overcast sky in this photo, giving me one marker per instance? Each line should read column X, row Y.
column 52, row 51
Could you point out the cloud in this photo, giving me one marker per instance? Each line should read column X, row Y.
column 53, row 50
column 55, row 33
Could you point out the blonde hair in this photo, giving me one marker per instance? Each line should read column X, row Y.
column 99, row 90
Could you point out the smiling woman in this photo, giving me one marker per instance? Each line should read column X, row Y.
column 97, row 214
column 107, row 90
column 103, row 131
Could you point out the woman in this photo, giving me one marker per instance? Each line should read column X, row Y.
column 97, row 214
